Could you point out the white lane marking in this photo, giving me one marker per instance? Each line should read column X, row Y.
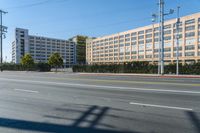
column 102, row 86
column 160, row 106
column 30, row 91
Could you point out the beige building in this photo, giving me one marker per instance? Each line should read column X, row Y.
column 141, row 44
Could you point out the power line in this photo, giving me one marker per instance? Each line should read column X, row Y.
column 34, row 4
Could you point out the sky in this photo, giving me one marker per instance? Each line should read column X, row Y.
column 67, row 18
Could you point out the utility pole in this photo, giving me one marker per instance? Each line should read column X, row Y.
column 161, row 44
column 177, row 41
column 3, row 29
column 161, row 15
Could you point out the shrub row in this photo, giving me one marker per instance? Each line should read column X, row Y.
column 138, row 67
column 43, row 67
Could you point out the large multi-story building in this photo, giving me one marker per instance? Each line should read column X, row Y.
column 142, row 44
column 40, row 48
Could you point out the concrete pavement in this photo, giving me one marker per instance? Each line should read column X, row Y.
column 76, row 103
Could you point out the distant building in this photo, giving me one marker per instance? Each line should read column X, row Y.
column 141, row 44
column 80, row 42
column 41, row 48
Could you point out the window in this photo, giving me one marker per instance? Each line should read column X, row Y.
column 156, row 29
column 127, row 44
column 156, row 34
column 141, row 37
column 121, row 45
column 148, row 31
column 122, row 36
column 148, row 56
column 156, row 39
column 167, row 26
column 167, row 38
column 148, row 45
column 180, row 42
column 191, row 21
column 180, row 48
column 167, row 55
column 190, row 41
column 127, row 35
column 121, row 50
column 134, row 57
column 178, row 35
column 156, row 45
column 141, row 57
column 148, row 35
column 127, row 39
column 167, row 32
column 190, row 47
column 115, row 38
column 179, row 54
column 141, row 32
column 141, row 47
column 189, row 53
column 148, row 40
column 155, row 50
column 156, row 56
column 133, row 43
column 190, row 34
column 188, row 28
column 134, row 52
column 141, row 42
column 167, row 49
column 180, row 30
column 133, row 38
column 134, row 47
column 148, row 51
column 167, row 45
column 134, row 34
column 110, row 39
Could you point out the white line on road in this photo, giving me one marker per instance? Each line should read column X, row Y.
column 160, row 106
column 30, row 91
column 102, row 86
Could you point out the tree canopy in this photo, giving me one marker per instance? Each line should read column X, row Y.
column 55, row 60
column 27, row 61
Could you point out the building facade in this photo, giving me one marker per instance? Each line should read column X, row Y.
column 142, row 44
column 41, row 48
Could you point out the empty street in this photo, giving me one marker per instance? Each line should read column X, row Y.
column 89, row 103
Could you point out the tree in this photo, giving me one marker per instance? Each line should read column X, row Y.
column 27, row 61
column 81, row 49
column 55, row 60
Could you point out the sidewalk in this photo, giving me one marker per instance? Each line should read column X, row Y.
column 142, row 75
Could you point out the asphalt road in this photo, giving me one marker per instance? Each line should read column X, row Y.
column 77, row 103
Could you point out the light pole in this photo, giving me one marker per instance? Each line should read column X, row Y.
column 161, row 35
column 177, row 41
column 3, row 30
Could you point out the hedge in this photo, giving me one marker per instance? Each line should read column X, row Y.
column 138, row 67
column 43, row 67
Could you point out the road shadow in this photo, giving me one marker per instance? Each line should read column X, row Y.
column 96, row 111
column 194, row 119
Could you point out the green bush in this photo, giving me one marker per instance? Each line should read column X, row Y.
column 43, row 67
column 138, row 67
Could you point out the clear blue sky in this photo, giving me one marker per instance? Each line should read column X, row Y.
column 66, row 18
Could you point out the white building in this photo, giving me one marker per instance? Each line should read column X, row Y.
column 41, row 48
